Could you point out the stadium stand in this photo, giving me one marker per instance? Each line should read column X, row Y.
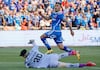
column 82, row 14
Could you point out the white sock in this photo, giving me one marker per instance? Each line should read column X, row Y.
column 72, row 65
column 63, row 55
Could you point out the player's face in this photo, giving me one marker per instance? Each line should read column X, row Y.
column 25, row 55
column 57, row 7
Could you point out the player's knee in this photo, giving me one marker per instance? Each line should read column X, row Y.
column 61, row 48
column 41, row 37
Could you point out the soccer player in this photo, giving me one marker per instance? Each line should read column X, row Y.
column 55, row 33
column 36, row 59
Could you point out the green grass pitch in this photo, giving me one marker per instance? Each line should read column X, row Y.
column 10, row 60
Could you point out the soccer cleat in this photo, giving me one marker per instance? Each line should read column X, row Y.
column 31, row 41
column 77, row 53
column 90, row 64
column 49, row 51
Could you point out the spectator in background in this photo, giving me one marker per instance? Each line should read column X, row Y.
column 7, row 2
column 65, row 4
column 98, row 20
column 35, row 20
column 52, row 3
column 17, row 21
column 66, row 10
column 10, row 25
column 46, row 3
column 49, row 10
column 29, row 21
column 24, row 24
column 1, row 9
column 70, row 7
column 2, row 21
column 41, row 8
column 44, row 24
column 6, row 10
column 12, row 6
column 34, row 4
column 19, row 5
column 30, row 7
column 78, row 19
column 84, row 23
column 89, row 19
column 27, row 16
column 25, row 8
column 10, row 19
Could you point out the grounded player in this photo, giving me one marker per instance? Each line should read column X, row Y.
column 55, row 33
column 36, row 59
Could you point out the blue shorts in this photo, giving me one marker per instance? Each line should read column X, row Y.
column 57, row 36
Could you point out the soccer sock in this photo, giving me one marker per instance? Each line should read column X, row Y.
column 62, row 55
column 67, row 49
column 82, row 65
column 46, row 43
column 75, row 65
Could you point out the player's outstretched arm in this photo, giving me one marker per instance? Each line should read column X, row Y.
column 44, row 16
column 35, row 46
column 70, row 27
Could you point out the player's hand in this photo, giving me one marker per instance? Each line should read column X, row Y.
column 72, row 33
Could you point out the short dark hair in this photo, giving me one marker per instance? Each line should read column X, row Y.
column 23, row 52
column 58, row 3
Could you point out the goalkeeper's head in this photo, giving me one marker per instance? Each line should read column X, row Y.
column 23, row 53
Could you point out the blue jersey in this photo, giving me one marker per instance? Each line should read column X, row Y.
column 18, row 20
column 78, row 19
column 89, row 16
column 10, row 19
column 56, row 17
column 84, row 22
column 55, row 32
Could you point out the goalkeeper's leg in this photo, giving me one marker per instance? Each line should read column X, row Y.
column 66, row 54
column 76, row 65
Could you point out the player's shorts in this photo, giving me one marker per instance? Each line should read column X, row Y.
column 53, row 60
column 57, row 36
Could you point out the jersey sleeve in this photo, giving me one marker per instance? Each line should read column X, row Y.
column 35, row 48
column 26, row 65
column 61, row 16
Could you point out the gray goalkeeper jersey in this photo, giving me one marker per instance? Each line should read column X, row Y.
column 36, row 59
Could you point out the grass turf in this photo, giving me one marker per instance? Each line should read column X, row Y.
column 10, row 60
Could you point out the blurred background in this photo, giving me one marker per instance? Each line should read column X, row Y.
column 23, row 14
